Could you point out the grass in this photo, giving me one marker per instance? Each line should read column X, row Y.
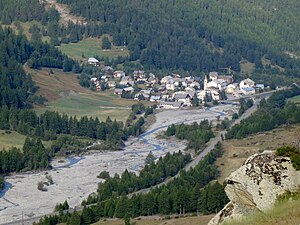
column 295, row 99
column 286, row 213
column 237, row 151
column 90, row 47
column 14, row 139
column 193, row 220
column 65, row 95
column 247, row 67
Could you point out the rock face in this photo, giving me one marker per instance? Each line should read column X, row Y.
column 256, row 185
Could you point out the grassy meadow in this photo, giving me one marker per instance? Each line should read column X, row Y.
column 65, row 95
column 295, row 99
column 14, row 139
column 286, row 213
column 192, row 220
column 89, row 48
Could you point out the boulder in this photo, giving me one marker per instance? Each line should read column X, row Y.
column 256, row 185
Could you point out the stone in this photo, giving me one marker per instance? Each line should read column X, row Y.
column 256, row 185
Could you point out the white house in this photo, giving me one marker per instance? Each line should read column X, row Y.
column 247, row 83
column 167, row 79
column 170, row 105
column 154, row 98
column 93, row 61
column 231, row 88
column 119, row 74
column 111, row 84
column 118, row 91
column 170, row 86
column 129, row 89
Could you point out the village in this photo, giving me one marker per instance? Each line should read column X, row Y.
column 173, row 91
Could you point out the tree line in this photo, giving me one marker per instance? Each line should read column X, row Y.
column 152, row 174
column 196, row 134
column 188, row 193
column 272, row 113
column 33, row 156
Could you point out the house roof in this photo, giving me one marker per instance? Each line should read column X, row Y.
column 248, row 89
column 118, row 90
column 93, row 60
column 174, row 104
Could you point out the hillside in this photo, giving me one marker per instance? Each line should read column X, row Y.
column 199, row 35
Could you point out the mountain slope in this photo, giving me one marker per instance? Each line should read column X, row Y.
column 176, row 34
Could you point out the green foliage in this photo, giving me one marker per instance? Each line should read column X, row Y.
column 138, row 108
column 106, row 43
column 292, row 152
column 190, row 41
column 196, row 134
column 150, row 158
column 271, row 114
column 2, row 185
column 62, row 206
column 34, row 156
column 103, row 175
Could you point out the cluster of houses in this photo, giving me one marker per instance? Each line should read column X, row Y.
column 173, row 91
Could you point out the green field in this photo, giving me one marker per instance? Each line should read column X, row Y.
column 83, row 104
column 15, row 139
column 89, row 48
column 295, row 99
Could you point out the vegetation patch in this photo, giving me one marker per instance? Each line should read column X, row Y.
column 292, row 152
column 91, row 47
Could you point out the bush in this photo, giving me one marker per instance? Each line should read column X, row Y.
column 292, row 152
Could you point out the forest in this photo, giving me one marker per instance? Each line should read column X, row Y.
column 190, row 192
column 33, row 156
column 272, row 113
column 203, row 36
column 196, row 134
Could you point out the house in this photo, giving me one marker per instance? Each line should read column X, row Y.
column 180, row 82
column 182, row 97
column 248, row 91
column 208, row 95
column 247, row 83
column 129, row 89
column 107, row 70
column 138, row 73
column 111, row 84
column 94, row 79
column 118, row 91
column 126, row 80
column 231, row 88
column 154, row 98
column 213, row 76
column 170, row 86
column 170, row 105
column 260, row 86
column 226, row 79
column 93, row 61
column 215, row 95
column 167, row 79
column 141, row 96
column 119, row 74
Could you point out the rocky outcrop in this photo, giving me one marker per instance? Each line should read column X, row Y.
column 256, row 185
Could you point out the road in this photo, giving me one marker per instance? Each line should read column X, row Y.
column 210, row 146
